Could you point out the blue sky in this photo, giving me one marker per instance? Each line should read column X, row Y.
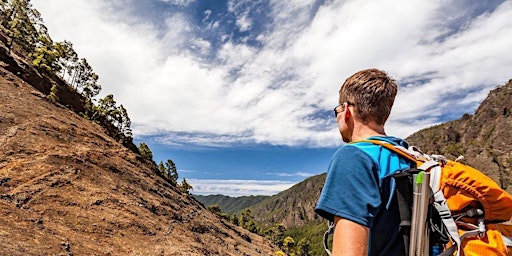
column 239, row 94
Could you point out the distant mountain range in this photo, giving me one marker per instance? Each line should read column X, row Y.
column 229, row 204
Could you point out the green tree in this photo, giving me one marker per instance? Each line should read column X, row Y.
column 275, row 233
column 84, row 80
column 68, row 60
column 251, row 226
column 145, row 152
column 44, row 55
column 123, row 122
column 20, row 23
column 289, row 245
column 185, row 187
column 214, row 208
column 303, row 247
column 245, row 217
column 234, row 220
column 45, row 59
column 169, row 171
column 53, row 93
column 108, row 113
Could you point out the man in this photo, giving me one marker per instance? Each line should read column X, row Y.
column 358, row 191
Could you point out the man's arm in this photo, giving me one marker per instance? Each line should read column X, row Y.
column 349, row 238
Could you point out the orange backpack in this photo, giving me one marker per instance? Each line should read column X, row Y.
column 474, row 211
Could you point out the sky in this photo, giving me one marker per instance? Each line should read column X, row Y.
column 239, row 93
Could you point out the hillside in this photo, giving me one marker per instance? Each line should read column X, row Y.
column 229, row 204
column 67, row 188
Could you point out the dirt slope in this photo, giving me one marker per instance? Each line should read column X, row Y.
column 66, row 188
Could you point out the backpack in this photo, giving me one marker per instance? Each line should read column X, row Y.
column 449, row 208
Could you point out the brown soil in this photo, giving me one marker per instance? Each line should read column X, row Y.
column 66, row 188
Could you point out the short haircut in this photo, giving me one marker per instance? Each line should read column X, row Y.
column 372, row 92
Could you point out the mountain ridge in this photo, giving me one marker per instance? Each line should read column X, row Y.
column 230, row 205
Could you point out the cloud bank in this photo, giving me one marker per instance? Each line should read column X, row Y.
column 237, row 188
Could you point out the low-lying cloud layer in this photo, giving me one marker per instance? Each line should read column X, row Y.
column 236, row 188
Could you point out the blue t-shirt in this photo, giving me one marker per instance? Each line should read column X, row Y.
column 358, row 187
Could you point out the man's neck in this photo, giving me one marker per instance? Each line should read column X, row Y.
column 364, row 131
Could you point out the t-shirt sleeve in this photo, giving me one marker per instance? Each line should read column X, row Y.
column 351, row 189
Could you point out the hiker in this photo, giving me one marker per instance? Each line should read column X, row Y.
column 358, row 193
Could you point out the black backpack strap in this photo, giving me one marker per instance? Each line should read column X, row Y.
column 404, row 194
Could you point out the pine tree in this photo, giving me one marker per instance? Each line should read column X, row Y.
column 185, row 187
column 53, row 93
column 84, row 80
column 289, row 245
column 145, row 152
column 68, row 59
column 20, row 24
column 251, row 226
column 234, row 220
column 303, row 247
column 171, row 171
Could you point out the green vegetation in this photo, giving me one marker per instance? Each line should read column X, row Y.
column 145, row 152
column 25, row 29
column 454, row 149
column 53, row 94
column 169, row 171
column 310, row 237
column 278, row 234
column 166, row 170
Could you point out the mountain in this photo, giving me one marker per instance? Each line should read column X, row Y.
column 69, row 188
column 230, row 205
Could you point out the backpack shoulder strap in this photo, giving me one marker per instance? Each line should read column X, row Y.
column 397, row 149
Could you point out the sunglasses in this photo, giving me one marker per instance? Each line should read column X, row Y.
column 342, row 105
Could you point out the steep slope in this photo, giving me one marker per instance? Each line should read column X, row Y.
column 292, row 207
column 67, row 188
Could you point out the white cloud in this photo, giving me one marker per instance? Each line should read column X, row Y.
column 236, row 188
column 179, row 2
column 271, row 94
column 296, row 174
column 244, row 23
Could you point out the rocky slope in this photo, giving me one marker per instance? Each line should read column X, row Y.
column 66, row 188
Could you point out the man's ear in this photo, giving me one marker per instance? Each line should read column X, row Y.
column 347, row 113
